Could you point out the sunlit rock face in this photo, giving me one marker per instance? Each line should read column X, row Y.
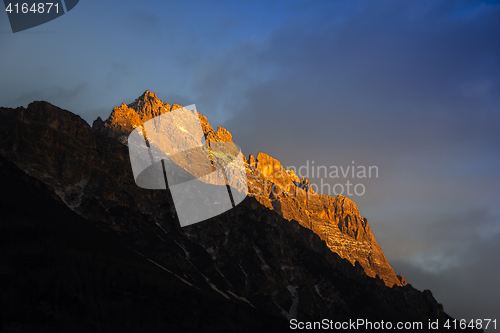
column 125, row 118
column 335, row 219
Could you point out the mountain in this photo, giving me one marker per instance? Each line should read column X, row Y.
column 336, row 220
column 87, row 240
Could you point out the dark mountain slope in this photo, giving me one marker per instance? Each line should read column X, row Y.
column 60, row 273
column 250, row 257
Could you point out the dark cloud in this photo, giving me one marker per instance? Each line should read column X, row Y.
column 468, row 291
column 403, row 85
column 57, row 95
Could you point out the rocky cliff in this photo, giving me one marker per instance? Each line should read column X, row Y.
column 256, row 255
column 335, row 220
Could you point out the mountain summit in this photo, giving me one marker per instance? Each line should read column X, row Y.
column 125, row 118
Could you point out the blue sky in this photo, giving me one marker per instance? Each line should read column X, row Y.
column 410, row 86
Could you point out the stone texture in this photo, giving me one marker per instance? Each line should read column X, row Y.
column 125, row 118
column 335, row 219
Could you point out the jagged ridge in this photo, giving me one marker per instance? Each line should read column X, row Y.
column 336, row 220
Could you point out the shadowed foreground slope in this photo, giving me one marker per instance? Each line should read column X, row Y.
column 62, row 274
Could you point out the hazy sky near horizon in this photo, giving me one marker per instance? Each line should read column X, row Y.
column 410, row 87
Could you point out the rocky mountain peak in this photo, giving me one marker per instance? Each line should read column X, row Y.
column 335, row 219
column 148, row 106
column 124, row 118
column 291, row 253
column 148, row 95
